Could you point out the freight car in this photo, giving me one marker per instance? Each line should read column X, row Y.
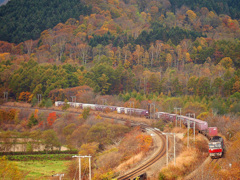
column 215, row 145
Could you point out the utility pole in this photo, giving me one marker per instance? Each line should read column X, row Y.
column 174, row 135
column 152, row 112
column 194, row 128
column 90, row 172
column 194, row 125
column 167, row 149
column 5, row 96
column 149, row 107
column 79, row 162
column 188, row 133
column 104, row 101
column 176, row 112
column 73, row 99
column 60, row 176
column 39, row 96
column 131, row 103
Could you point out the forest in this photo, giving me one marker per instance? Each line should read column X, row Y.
column 27, row 19
column 142, row 50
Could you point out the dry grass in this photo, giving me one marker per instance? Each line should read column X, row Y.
column 178, row 130
column 129, row 163
column 184, row 164
column 186, row 161
column 18, row 104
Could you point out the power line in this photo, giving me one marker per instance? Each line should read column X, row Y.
column 174, row 135
column 194, row 125
column 60, row 176
column 79, row 162
column 5, row 96
column 176, row 112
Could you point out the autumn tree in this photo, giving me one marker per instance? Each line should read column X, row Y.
column 9, row 170
column 32, row 121
column 145, row 142
column 25, row 96
column 78, row 136
column 51, row 118
column 169, row 59
column 226, row 62
column 83, row 52
column 50, row 139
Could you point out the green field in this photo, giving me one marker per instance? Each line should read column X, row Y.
column 42, row 169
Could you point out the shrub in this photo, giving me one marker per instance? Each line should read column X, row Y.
column 48, row 103
column 86, row 113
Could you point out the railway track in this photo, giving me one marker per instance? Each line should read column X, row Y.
column 214, row 161
column 142, row 168
column 137, row 171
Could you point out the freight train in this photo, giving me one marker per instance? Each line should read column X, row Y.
column 216, row 142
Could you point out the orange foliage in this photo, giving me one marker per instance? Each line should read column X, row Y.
column 4, row 56
column 36, row 113
column 6, row 47
column 59, row 94
column 51, row 118
column 25, row 96
column 145, row 142
column 236, row 86
column 40, row 124
column 7, row 116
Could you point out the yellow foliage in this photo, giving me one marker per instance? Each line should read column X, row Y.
column 89, row 149
column 169, row 58
column 127, row 64
column 226, row 62
column 211, row 14
column 9, row 170
column 80, row 116
column 203, row 115
column 98, row 117
column 191, row 15
column 195, row 49
column 236, row 86
column 188, row 59
column 199, row 48
column 161, row 18
column 4, row 56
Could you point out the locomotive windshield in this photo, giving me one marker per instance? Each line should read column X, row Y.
column 214, row 145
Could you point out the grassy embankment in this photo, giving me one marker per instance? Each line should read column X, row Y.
column 188, row 159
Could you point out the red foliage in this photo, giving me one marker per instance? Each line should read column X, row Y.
column 40, row 124
column 5, row 47
column 51, row 118
column 59, row 94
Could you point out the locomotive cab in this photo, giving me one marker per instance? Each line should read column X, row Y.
column 216, row 147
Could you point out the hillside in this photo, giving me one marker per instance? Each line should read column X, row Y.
column 23, row 20
column 229, row 7
column 121, row 47
column 158, row 53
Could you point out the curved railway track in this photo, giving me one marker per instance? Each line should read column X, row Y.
column 141, row 169
column 137, row 171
